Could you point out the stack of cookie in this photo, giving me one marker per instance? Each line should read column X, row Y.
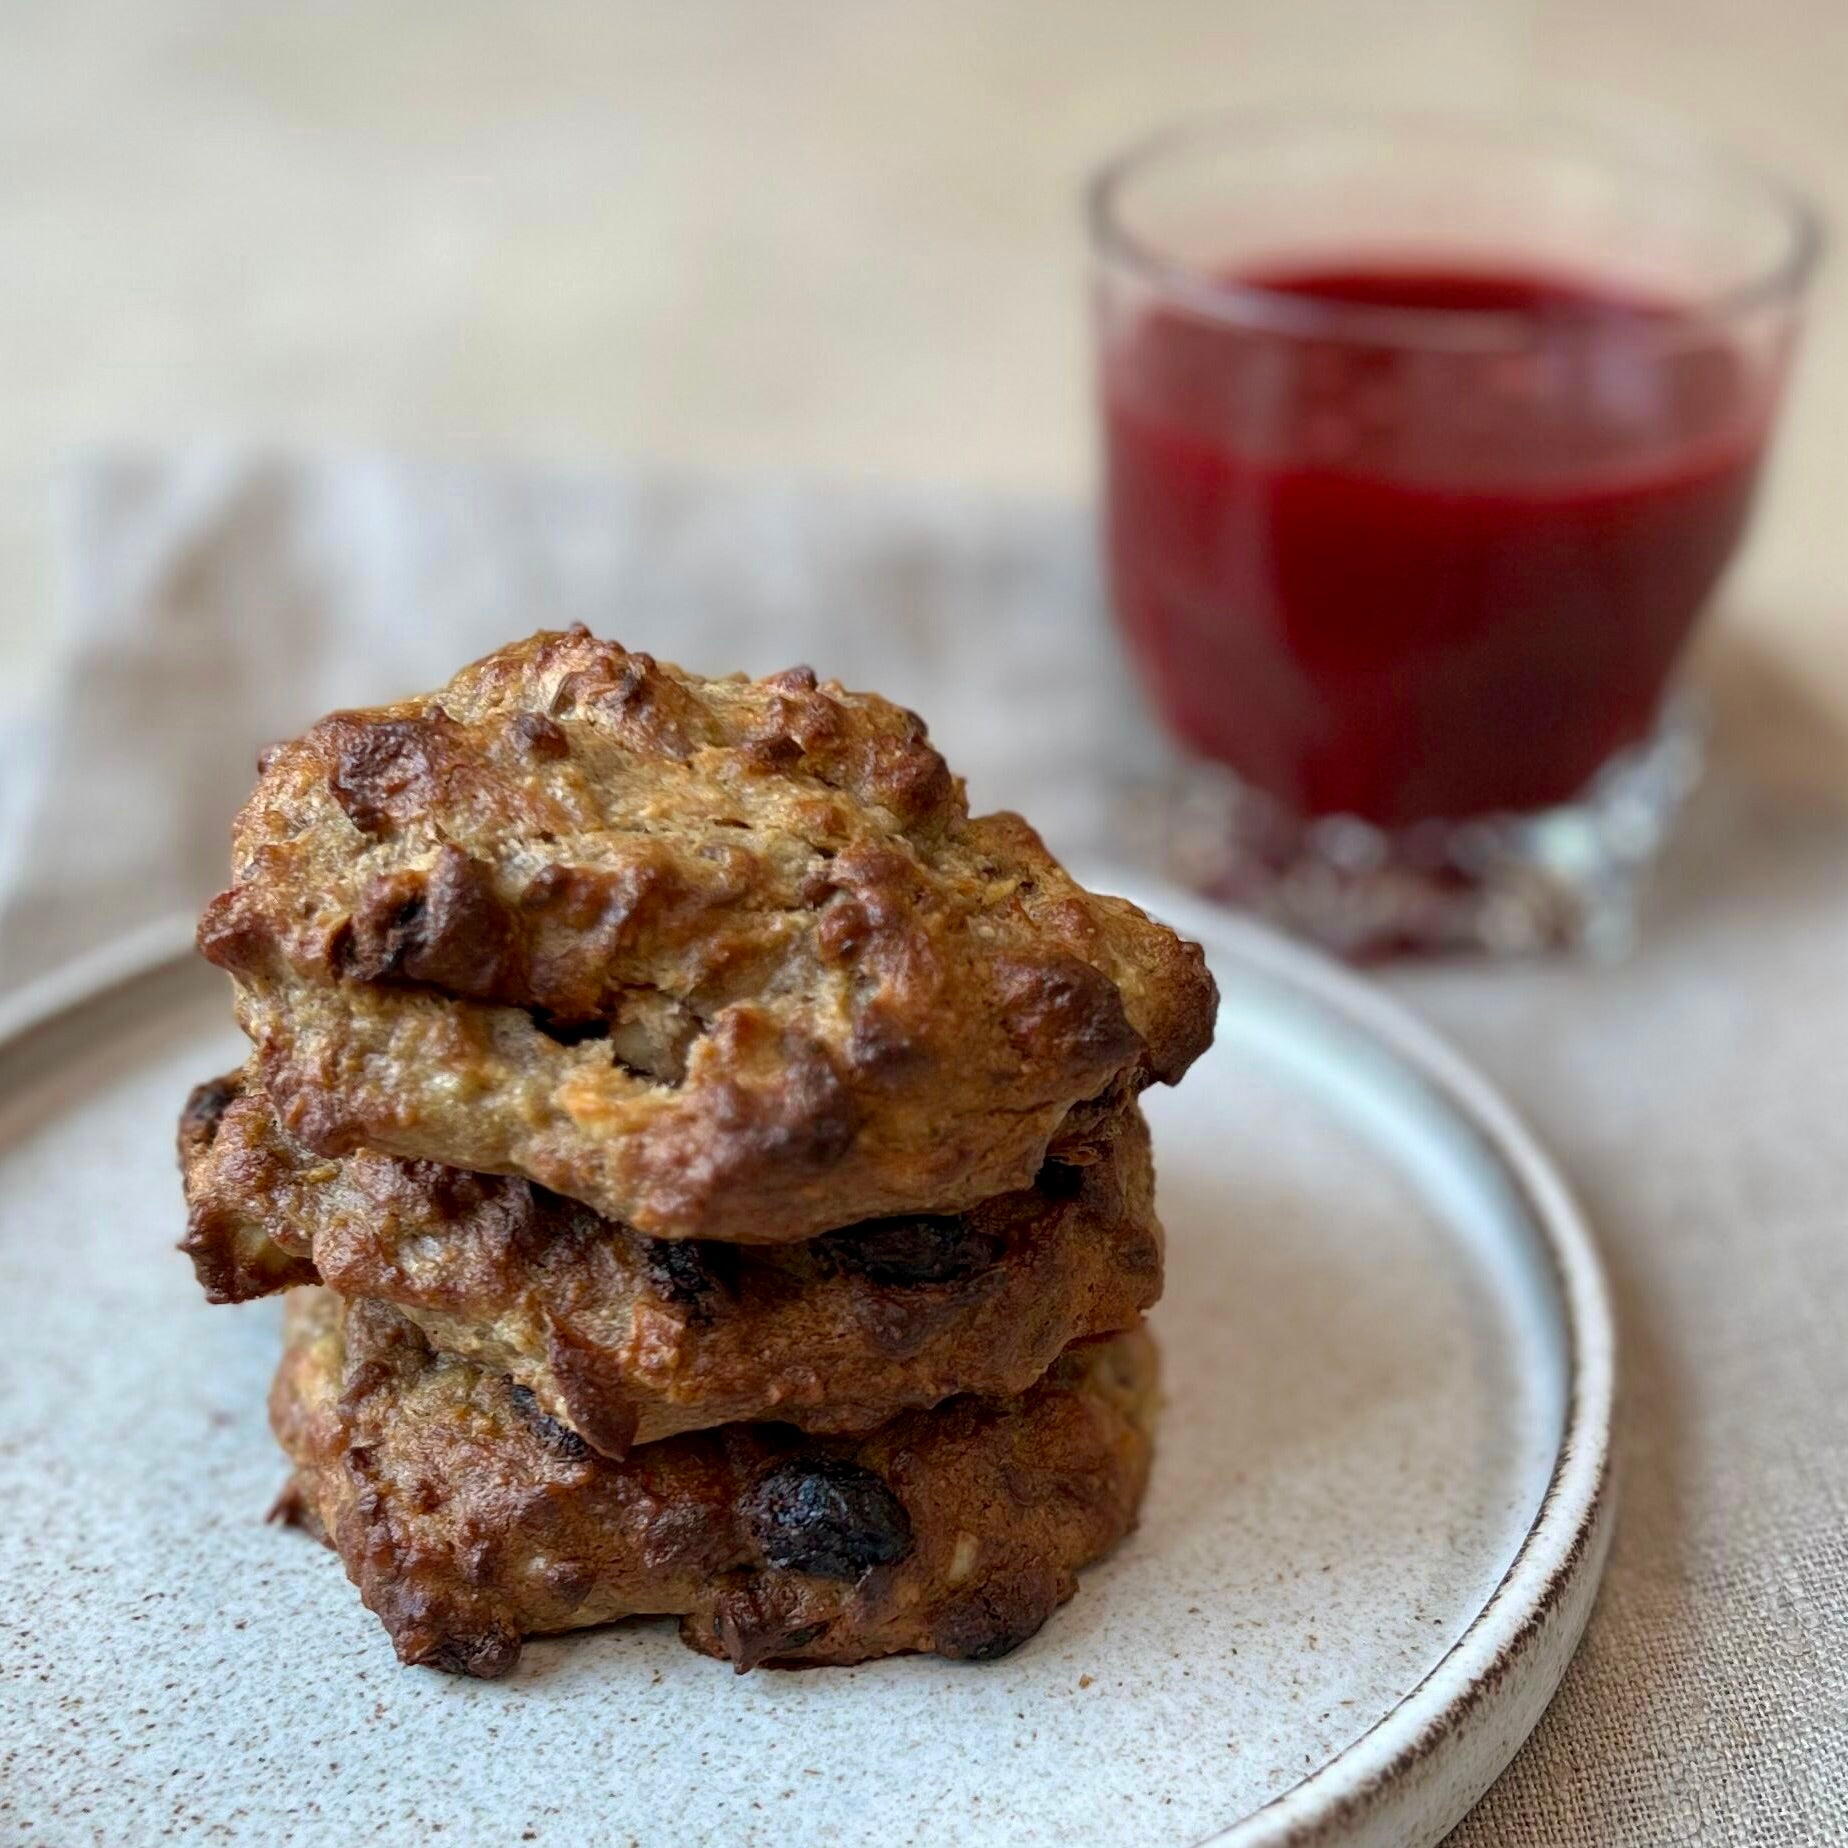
column 704, row 1162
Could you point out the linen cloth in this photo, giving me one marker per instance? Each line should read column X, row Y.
column 1697, row 1095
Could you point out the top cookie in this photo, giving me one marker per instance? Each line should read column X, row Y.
column 723, row 959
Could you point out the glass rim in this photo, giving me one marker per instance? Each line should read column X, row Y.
column 1252, row 304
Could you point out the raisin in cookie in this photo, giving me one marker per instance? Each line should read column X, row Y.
column 469, row 1520
column 723, row 959
column 629, row 1339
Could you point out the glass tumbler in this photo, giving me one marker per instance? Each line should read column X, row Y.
column 1426, row 439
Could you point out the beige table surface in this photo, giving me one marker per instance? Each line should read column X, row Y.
column 830, row 235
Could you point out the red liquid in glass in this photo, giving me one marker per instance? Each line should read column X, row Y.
column 1401, row 582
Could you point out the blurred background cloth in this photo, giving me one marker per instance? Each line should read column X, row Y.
column 1695, row 1095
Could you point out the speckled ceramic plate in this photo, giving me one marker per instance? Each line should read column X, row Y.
column 1378, row 1518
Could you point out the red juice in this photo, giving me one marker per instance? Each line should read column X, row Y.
column 1408, row 580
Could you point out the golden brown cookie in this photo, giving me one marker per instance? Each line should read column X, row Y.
column 629, row 1339
column 468, row 1519
column 723, row 959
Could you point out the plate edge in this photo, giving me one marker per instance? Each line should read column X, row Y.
column 1385, row 1787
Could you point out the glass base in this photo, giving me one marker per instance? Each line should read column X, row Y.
column 1564, row 878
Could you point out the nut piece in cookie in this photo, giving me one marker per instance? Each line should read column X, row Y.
column 723, row 959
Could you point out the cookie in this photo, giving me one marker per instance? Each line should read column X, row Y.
column 629, row 1339
column 722, row 959
column 468, row 1519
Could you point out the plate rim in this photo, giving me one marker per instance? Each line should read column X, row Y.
column 1365, row 1788
column 1558, row 1563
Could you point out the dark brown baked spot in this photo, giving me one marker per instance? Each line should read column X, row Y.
column 771, row 752
column 482, row 1658
column 826, row 1517
column 1059, row 1180
column 387, row 771
column 604, row 1420
column 844, row 929
column 995, row 1620
column 234, row 934
column 756, row 1622
column 1060, row 1005
column 805, row 1121
column 691, row 1274
column 205, row 1108
column 648, row 710
column 560, row 1440
column 910, row 779
column 800, row 1639
column 567, row 1032
column 799, row 679
column 909, row 1253
column 446, row 929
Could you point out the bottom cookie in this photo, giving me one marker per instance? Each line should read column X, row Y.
column 469, row 1519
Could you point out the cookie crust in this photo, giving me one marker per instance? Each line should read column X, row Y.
column 723, row 959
